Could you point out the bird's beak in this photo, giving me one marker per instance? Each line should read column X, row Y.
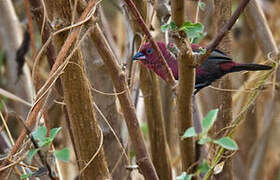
column 139, row 56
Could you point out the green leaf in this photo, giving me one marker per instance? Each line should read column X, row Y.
column 164, row 27
column 45, row 142
column 25, row 176
column 227, row 143
column 184, row 176
column 40, row 133
column 209, row 120
column 63, row 155
column 204, row 140
column 30, row 155
column 169, row 26
column 201, row 5
column 190, row 132
column 204, row 167
column 172, row 25
column 192, row 29
column 53, row 133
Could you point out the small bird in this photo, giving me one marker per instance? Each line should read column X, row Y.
column 214, row 67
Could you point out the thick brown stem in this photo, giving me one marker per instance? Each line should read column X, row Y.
column 119, row 80
column 150, row 88
column 169, row 108
column 87, row 134
column 41, row 97
column 38, row 15
column 186, row 86
column 223, row 14
column 101, row 80
column 160, row 153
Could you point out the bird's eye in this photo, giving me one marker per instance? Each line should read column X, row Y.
column 149, row 51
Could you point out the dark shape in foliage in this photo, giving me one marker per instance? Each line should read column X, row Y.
column 22, row 50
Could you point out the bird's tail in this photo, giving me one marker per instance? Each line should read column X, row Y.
column 250, row 67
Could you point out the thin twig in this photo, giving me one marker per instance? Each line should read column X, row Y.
column 111, row 129
column 13, row 164
column 197, row 10
column 7, row 129
column 13, row 97
column 44, row 17
column 210, row 47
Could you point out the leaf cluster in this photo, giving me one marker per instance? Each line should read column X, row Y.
column 194, row 31
column 207, row 123
column 225, row 142
column 43, row 140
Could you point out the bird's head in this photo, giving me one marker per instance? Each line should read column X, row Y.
column 150, row 59
column 148, row 56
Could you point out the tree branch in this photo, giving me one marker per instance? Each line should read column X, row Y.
column 210, row 47
column 149, row 85
column 160, row 154
column 224, row 99
column 119, row 80
column 41, row 96
column 186, row 85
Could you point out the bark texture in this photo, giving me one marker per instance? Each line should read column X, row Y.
column 223, row 14
column 87, row 134
column 100, row 80
column 119, row 80
column 79, row 103
column 149, row 85
column 160, row 153
column 169, row 113
column 185, row 88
